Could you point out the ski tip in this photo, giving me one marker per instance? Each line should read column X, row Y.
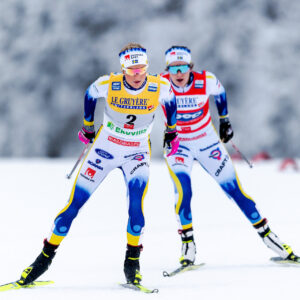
column 166, row 274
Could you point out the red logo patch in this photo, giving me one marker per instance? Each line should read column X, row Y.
column 122, row 142
column 129, row 126
column 179, row 160
column 90, row 173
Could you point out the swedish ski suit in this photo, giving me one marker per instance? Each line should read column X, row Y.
column 122, row 142
column 199, row 141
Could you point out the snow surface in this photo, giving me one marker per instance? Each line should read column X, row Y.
column 89, row 262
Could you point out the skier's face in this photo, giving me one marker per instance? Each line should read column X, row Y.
column 135, row 75
column 179, row 73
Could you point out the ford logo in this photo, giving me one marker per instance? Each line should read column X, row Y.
column 103, row 154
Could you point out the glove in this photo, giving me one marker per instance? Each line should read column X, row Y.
column 86, row 134
column 171, row 142
column 226, row 132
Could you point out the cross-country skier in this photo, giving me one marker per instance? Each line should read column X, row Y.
column 199, row 141
column 132, row 98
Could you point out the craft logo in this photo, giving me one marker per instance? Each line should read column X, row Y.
column 221, row 167
column 90, row 173
column 179, row 160
column 138, row 166
column 103, row 153
column 216, row 154
column 139, row 157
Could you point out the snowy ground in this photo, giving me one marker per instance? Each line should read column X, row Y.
column 89, row 262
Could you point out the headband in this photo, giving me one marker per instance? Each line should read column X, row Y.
column 132, row 57
column 178, row 54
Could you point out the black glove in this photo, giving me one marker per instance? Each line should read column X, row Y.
column 169, row 137
column 86, row 134
column 226, row 132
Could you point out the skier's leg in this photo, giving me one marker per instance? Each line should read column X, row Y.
column 136, row 175
column 218, row 164
column 93, row 170
column 180, row 167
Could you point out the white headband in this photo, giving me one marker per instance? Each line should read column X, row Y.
column 178, row 54
column 132, row 57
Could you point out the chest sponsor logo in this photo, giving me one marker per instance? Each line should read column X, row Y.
column 129, row 103
column 103, row 153
column 123, row 131
column 216, row 154
column 122, row 142
column 187, row 101
column 190, row 116
column 116, row 85
column 221, row 167
column 95, row 164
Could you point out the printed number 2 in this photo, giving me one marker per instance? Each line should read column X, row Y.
column 131, row 118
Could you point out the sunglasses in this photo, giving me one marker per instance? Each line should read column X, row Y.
column 139, row 71
column 181, row 68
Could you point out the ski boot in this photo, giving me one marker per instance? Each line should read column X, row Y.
column 40, row 265
column 272, row 241
column 132, row 264
column 188, row 248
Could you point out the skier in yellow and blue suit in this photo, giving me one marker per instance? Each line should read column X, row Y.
column 132, row 98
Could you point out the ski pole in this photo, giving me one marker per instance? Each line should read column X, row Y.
column 241, row 154
column 78, row 160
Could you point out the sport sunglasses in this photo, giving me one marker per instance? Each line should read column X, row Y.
column 139, row 71
column 181, row 68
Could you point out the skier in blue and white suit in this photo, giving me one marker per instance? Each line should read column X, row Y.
column 131, row 100
column 199, row 141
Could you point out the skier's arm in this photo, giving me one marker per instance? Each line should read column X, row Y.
column 96, row 90
column 168, row 103
column 215, row 88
